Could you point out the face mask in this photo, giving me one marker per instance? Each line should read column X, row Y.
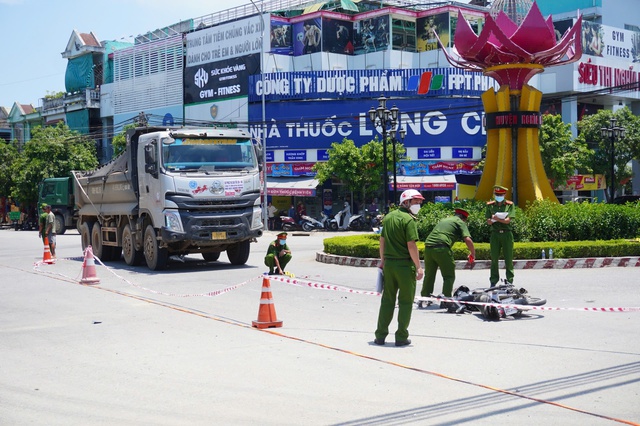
column 415, row 208
column 282, row 242
column 499, row 198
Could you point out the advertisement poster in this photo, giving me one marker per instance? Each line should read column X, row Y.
column 307, row 37
column 281, row 37
column 427, row 26
column 371, row 35
column 219, row 80
column 337, row 36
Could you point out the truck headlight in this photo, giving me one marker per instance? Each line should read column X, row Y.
column 172, row 221
column 257, row 218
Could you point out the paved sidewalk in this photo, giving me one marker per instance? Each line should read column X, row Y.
column 590, row 262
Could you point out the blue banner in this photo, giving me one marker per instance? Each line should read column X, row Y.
column 429, row 123
column 354, row 84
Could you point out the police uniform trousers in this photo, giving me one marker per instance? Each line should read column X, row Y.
column 501, row 241
column 434, row 258
column 400, row 282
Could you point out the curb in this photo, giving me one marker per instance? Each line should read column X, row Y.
column 589, row 262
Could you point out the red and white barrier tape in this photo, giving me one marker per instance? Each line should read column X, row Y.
column 321, row 286
column 530, row 307
column 325, row 286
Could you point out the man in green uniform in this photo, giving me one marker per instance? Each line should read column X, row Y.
column 42, row 222
column 278, row 254
column 438, row 253
column 499, row 214
column 400, row 263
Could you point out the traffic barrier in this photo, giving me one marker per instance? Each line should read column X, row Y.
column 267, row 313
column 89, row 275
column 46, row 257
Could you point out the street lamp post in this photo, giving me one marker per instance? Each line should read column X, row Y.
column 387, row 120
column 263, row 141
column 614, row 133
column 392, row 133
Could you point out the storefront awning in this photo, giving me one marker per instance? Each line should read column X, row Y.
column 425, row 183
column 292, row 187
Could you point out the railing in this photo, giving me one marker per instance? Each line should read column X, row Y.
column 88, row 97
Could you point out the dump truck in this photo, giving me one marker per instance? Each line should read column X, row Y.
column 173, row 192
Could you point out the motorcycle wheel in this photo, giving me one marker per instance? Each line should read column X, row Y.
column 307, row 227
column 333, row 226
column 535, row 301
column 287, row 227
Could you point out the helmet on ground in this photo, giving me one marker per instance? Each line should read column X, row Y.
column 410, row 194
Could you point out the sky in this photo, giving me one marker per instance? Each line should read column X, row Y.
column 36, row 32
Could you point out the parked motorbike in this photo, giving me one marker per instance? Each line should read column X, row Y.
column 309, row 223
column 372, row 219
column 289, row 224
column 504, row 294
column 356, row 222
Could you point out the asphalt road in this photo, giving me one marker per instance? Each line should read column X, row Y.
column 164, row 348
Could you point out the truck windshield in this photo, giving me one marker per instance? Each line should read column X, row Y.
column 208, row 154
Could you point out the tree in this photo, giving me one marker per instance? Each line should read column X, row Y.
column 51, row 152
column 625, row 149
column 8, row 154
column 562, row 155
column 361, row 170
column 119, row 142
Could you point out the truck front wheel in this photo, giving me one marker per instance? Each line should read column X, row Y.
column 239, row 253
column 132, row 257
column 59, row 224
column 155, row 256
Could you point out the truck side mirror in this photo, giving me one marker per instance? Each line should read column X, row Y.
column 150, row 164
column 258, row 150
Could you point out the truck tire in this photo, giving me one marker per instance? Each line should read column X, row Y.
column 238, row 254
column 85, row 235
column 155, row 256
column 211, row 257
column 100, row 251
column 59, row 224
column 132, row 257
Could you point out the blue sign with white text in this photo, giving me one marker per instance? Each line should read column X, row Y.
column 428, row 153
column 462, row 152
column 429, row 122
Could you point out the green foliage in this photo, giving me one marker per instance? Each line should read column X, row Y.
column 549, row 221
column 368, row 246
column 8, row 154
column 119, row 142
column 625, row 149
column 561, row 154
column 572, row 230
column 360, row 169
column 51, row 152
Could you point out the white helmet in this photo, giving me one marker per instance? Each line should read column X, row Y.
column 410, row 194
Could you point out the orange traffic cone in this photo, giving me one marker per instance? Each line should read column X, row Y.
column 46, row 257
column 89, row 268
column 267, row 312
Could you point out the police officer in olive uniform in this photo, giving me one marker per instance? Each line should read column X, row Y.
column 400, row 262
column 278, row 254
column 500, row 213
column 438, row 253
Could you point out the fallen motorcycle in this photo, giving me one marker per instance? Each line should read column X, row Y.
column 487, row 301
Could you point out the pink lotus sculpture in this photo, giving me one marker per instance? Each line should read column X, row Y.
column 513, row 54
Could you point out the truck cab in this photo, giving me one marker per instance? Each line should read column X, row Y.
column 58, row 193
